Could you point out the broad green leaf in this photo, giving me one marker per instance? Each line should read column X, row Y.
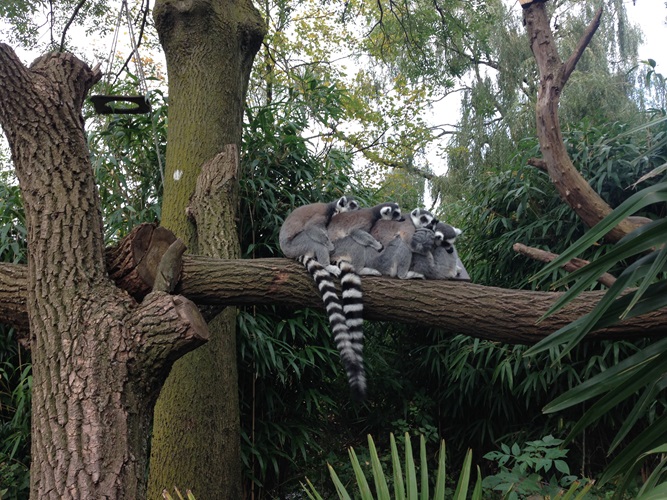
column 657, row 266
column 423, row 469
column 440, row 482
column 643, row 375
column 657, row 493
column 381, row 488
column 639, row 410
column 410, row 470
column 311, row 491
column 657, row 474
column 607, row 380
column 340, row 489
column 362, row 483
column 399, row 486
column 648, row 196
column 654, row 435
column 477, row 491
column 640, row 240
column 461, row 491
column 609, row 310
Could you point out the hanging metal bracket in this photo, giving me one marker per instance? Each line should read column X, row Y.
column 104, row 104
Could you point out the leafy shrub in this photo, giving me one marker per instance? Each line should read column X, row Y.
column 537, row 468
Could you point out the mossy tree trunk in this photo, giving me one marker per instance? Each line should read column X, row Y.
column 209, row 46
column 98, row 357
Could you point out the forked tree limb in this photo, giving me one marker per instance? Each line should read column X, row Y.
column 585, row 39
column 571, row 186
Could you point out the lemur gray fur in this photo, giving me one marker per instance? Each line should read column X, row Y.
column 350, row 235
column 304, row 237
column 422, row 246
column 444, row 254
column 396, row 258
column 434, row 254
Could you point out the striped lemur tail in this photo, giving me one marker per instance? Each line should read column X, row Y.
column 344, row 318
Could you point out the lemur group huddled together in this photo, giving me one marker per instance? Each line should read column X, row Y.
column 343, row 240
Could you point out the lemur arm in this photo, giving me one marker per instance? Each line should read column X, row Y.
column 365, row 239
column 422, row 241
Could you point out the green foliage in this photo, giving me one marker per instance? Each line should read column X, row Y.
column 521, row 470
column 15, row 367
column 639, row 289
column 188, row 495
column 405, row 484
column 124, row 152
column 15, row 391
column 292, row 387
column 13, row 246
column 518, row 204
column 645, row 370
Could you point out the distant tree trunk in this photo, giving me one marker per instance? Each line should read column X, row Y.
column 209, row 46
column 98, row 358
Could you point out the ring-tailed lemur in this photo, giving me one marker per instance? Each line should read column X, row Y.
column 444, row 254
column 303, row 236
column 433, row 252
column 349, row 233
column 304, row 232
column 396, row 258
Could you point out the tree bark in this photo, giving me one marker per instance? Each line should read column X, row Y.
column 98, row 357
column 490, row 313
column 209, row 46
column 554, row 73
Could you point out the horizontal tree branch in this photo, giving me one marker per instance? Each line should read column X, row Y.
column 543, row 256
column 491, row 313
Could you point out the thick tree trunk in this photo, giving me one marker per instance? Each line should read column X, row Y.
column 209, row 46
column 97, row 356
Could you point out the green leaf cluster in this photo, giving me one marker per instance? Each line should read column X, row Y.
column 521, row 471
